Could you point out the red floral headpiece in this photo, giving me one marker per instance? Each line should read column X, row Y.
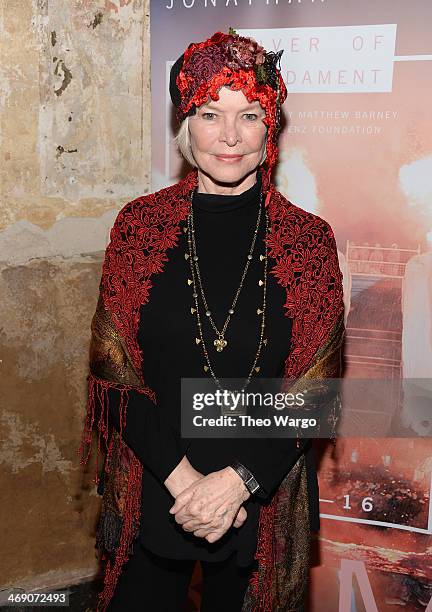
column 236, row 61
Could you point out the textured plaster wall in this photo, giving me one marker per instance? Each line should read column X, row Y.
column 74, row 147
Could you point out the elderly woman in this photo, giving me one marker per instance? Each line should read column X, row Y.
column 218, row 275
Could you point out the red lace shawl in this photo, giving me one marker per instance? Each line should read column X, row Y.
column 305, row 262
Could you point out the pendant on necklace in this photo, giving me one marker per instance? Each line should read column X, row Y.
column 220, row 343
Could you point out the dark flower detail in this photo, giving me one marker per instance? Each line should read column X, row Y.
column 266, row 73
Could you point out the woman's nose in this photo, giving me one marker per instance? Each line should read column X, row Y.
column 230, row 133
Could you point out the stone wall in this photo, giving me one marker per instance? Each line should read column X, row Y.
column 75, row 147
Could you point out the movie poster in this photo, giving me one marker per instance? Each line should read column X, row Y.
column 356, row 149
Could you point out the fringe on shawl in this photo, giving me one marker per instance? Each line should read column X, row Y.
column 116, row 531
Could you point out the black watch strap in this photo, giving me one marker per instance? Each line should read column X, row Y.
column 247, row 477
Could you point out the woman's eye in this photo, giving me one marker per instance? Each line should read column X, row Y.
column 205, row 115
column 251, row 116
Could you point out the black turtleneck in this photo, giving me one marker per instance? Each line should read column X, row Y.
column 224, row 226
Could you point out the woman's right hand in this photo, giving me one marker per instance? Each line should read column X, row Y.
column 183, row 475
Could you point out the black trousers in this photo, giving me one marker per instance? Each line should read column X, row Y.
column 149, row 582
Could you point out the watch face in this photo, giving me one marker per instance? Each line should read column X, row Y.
column 252, row 485
column 248, row 479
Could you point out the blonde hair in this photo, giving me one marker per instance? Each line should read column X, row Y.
column 182, row 140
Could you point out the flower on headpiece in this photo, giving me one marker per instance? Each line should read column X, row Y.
column 244, row 53
column 206, row 62
column 224, row 50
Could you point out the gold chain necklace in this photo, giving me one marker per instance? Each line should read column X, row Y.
column 220, row 342
column 260, row 311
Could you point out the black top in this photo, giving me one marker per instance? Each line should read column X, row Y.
column 224, row 227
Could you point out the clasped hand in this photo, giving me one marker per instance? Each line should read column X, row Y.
column 211, row 504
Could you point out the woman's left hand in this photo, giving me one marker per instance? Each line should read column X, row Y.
column 209, row 506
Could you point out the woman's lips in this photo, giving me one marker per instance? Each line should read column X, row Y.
column 229, row 158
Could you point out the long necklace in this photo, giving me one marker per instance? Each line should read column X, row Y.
column 220, row 342
column 193, row 260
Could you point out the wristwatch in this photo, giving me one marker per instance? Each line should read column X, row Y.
column 247, row 477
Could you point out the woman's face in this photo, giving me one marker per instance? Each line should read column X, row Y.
column 227, row 136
